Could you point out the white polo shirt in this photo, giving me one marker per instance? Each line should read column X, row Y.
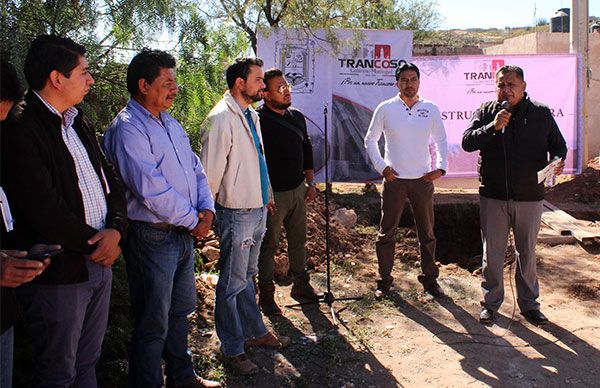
column 407, row 133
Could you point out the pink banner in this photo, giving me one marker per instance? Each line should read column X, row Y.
column 355, row 76
column 458, row 85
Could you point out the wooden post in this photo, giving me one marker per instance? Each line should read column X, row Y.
column 578, row 43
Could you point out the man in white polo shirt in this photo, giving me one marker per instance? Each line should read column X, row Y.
column 408, row 122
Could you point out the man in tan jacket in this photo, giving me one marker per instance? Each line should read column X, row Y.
column 233, row 157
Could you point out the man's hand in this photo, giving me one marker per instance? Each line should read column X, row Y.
column 15, row 271
column 107, row 247
column 311, row 194
column 501, row 119
column 389, row 174
column 204, row 224
column 433, row 175
column 271, row 208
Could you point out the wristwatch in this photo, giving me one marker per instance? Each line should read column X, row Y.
column 311, row 183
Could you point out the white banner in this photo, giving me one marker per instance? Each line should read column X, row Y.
column 354, row 78
column 350, row 79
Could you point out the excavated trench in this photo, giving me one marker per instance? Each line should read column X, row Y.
column 457, row 226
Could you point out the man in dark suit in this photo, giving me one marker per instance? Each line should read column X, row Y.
column 64, row 192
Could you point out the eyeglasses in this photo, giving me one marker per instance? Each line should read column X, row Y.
column 284, row 87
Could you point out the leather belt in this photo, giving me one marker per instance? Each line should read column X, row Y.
column 165, row 226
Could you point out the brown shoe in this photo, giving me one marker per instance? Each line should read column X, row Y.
column 269, row 340
column 242, row 364
column 196, row 382
column 266, row 299
column 302, row 290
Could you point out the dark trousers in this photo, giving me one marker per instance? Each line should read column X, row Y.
column 393, row 198
column 497, row 218
column 67, row 325
column 291, row 213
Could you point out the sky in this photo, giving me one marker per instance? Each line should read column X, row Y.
column 464, row 14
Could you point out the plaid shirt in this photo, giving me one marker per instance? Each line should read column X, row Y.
column 94, row 202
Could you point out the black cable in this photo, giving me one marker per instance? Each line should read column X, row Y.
column 512, row 317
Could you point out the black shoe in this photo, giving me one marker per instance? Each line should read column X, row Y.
column 535, row 316
column 435, row 290
column 486, row 315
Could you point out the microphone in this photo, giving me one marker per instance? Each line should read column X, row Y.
column 504, row 105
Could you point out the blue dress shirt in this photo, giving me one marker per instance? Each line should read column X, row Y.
column 164, row 177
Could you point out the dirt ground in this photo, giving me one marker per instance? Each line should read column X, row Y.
column 410, row 339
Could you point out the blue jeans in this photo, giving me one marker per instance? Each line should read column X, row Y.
column 160, row 267
column 6, row 357
column 67, row 323
column 237, row 316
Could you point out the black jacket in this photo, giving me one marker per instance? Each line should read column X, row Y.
column 288, row 148
column 40, row 180
column 515, row 157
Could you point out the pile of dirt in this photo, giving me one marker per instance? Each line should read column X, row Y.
column 580, row 196
column 343, row 241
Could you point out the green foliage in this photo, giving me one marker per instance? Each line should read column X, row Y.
column 203, row 57
column 420, row 16
column 113, row 31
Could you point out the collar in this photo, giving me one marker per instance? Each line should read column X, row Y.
column 136, row 106
column 264, row 108
column 67, row 117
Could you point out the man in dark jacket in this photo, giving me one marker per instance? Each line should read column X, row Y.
column 514, row 144
column 290, row 162
column 15, row 269
column 63, row 192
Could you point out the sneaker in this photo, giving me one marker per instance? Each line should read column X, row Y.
column 486, row 315
column 435, row 290
column 535, row 316
column 242, row 364
column 269, row 340
column 379, row 293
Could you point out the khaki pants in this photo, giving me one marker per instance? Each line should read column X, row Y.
column 291, row 213
column 393, row 198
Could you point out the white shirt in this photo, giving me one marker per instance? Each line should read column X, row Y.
column 92, row 193
column 407, row 133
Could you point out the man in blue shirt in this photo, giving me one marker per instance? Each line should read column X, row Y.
column 169, row 204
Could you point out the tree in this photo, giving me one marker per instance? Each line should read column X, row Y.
column 250, row 16
column 113, row 31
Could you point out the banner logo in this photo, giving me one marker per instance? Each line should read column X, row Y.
column 369, row 58
column 296, row 59
column 483, row 72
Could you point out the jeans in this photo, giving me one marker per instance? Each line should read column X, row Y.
column 160, row 267
column 67, row 323
column 237, row 316
column 6, row 357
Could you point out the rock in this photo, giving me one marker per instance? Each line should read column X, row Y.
column 212, row 243
column 346, row 217
column 281, row 266
column 210, row 252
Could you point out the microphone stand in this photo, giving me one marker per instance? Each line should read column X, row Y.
column 328, row 296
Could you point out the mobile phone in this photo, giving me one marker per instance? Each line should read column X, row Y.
column 40, row 256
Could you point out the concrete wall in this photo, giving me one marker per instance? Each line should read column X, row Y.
column 558, row 43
